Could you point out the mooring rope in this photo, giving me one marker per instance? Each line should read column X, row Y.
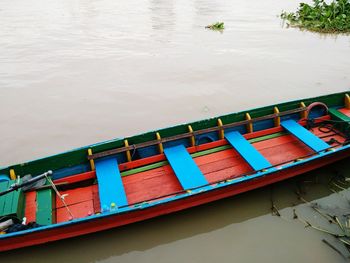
column 59, row 195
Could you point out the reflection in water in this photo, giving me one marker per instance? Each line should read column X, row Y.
column 77, row 72
column 208, row 9
column 163, row 21
column 162, row 15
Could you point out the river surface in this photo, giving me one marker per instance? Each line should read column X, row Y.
column 76, row 72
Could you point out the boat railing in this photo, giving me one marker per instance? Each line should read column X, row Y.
column 193, row 133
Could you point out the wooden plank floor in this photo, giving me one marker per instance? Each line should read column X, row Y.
column 217, row 166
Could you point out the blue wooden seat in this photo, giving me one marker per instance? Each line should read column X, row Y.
column 185, row 169
column 305, row 136
column 110, row 185
column 255, row 159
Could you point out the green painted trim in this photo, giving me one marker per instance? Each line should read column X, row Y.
column 210, row 151
column 12, row 203
column 144, row 168
column 339, row 115
column 267, row 137
column 198, row 154
column 344, row 120
column 3, row 187
column 45, row 201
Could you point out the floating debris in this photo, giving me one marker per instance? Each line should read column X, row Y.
column 217, row 26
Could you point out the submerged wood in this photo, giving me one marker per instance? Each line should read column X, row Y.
column 343, row 237
column 329, row 218
column 274, row 208
column 334, row 248
column 347, row 242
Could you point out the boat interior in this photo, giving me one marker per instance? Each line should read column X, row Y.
column 162, row 168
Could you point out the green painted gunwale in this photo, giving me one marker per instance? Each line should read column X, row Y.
column 78, row 156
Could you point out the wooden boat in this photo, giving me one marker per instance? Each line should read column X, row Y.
column 122, row 181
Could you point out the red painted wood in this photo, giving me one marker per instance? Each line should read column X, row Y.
column 139, row 215
column 345, row 111
column 74, row 196
column 151, row 184
column 77, row 178
column 30, row 206
column 222, row 165
column 81, row 201
column 96, row 199
column 79, row 210
column 161, row 157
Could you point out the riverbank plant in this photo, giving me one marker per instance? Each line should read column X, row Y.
column 321, row 16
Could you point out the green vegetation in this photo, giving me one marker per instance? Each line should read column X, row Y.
column 321, row 17
column 217, row 26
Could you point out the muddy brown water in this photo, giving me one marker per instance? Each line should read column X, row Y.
column 78, row 72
